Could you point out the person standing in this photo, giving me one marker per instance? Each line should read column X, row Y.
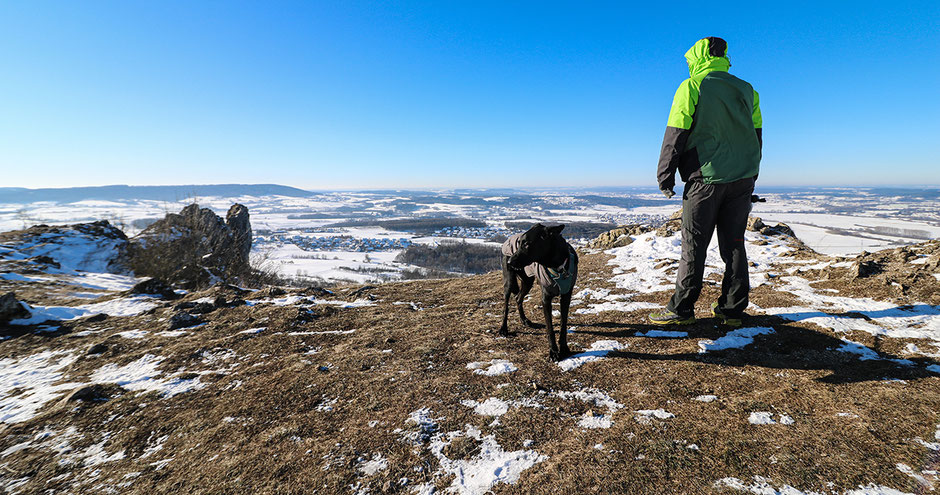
column 713, row 138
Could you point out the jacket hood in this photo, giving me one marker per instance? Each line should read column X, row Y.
column 701, row 62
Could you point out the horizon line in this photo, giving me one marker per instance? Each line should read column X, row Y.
column 480, row 188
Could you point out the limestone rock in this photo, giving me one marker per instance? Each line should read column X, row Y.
column 618, row 237
column 194, row 248
column 755, row 224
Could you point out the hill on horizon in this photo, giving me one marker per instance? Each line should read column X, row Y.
column 155, row 193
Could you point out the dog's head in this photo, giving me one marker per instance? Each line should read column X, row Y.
column 535, row 245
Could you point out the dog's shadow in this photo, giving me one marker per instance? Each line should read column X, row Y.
column 787, row 347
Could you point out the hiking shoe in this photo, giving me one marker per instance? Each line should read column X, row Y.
column 731, row 322
column 669, row 318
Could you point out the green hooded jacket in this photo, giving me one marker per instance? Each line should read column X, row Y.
column 714, row 129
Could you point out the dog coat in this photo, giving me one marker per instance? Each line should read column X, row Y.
column 556, row 280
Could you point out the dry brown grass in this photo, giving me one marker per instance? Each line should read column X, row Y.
column 257, row 428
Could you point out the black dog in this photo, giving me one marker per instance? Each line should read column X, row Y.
column 540, row 253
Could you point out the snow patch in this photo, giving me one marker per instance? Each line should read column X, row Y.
column 374, row 465
column 915, row 321
column 490, row 465
column 767, row 418
column 492, row 368
column 597, row 351
column 765, row 486
column 655, row 413
column 128, row 306
column 28, row 383
column 734, row 339
column 142, row 374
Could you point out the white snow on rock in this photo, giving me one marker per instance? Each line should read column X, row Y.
column 734, row 339
column 28, row 383
column 663, row 334
column 253, row 331
column 706, row 398
column 142, row 374
column 597, row 351
column 72, row 249
column 492, row 368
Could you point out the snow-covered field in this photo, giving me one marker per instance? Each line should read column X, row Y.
column 842, row 222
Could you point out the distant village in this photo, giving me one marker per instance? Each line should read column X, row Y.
column 302, row 238
column 334, row 243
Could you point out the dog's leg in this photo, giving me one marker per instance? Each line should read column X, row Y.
column 509, row 284
column 524, row 289
column 504, row 328
column 564, row 303
column 553, row 352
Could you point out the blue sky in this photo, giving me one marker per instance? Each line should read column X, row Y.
column 349, row 94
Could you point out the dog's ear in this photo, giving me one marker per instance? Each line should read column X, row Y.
column 556, row 229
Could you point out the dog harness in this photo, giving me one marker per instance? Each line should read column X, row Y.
column 556, row 280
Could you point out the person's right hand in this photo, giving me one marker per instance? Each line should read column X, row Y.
column 669, row 193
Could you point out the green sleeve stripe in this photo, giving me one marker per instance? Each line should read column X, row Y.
column 758, row 120
column 683, row 105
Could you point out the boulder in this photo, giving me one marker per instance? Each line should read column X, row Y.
column 94, row 393
column 755, row 224
column 183, row 320
column 862, row 269
column 194, row 248
column 155, row 287
column 237, row 221
column 11, row 308
column 99, row 348
column 618, row 237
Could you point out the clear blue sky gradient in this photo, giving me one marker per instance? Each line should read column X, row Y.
column 350, row 94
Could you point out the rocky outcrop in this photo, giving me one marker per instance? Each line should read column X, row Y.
column 89, row 247
column 194, row 248
column 237, row 221
column 619, row 237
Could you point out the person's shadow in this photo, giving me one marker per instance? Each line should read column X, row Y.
column 786, row 347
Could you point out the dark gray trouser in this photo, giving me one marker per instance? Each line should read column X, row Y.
column 705, row 207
